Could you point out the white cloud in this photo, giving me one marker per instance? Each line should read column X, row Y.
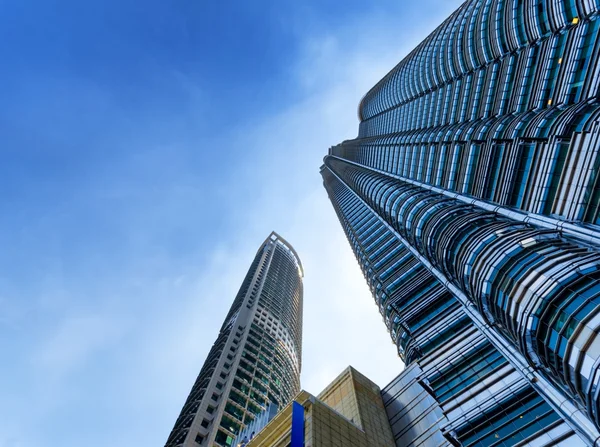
column 342, row 324
column 74, row 341
column 159, row 328
column 278, row 187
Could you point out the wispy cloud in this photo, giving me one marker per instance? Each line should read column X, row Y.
column 73, row 343
column 143, row 260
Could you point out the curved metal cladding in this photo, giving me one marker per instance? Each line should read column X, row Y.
column 500, row 102
column 540, row 289
column 457, row 386
column 477, row 167
column 256, row 359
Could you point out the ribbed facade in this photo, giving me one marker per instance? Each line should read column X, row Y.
column 499, row 102
column 453, row 368
column 257, row 357
column 471, row 200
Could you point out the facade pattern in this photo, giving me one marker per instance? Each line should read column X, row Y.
column 471, row 199
column 459, row 369
column 499, row 102
column 255, row 362
column 348, row 413
column 259, row 422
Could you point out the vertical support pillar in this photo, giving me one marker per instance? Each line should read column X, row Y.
column 297, row 425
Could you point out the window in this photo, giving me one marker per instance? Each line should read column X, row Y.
column 205, row 423
column 223, row 439
column 199, row 438
column 472, row 367
column 234, row 411
column 219, row 386
column 210, row 410
column 511, row 421
column 230, row 425
column 215, row 396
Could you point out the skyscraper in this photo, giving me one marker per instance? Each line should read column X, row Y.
column 257, row 357
column 471, row 198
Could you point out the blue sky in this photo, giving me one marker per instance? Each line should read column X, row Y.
column 148, row 148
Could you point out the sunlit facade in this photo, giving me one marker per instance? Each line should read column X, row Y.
column 255, row 362
column 349, row 412
column 471, row 199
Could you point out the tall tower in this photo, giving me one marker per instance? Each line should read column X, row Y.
column 257, row 357
column 471, row 198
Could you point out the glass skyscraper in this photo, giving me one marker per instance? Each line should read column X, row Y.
column 471, row 200
column 257, row 357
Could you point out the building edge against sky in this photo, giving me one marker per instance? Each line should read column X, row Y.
column 471, row 199
column 256, row 359
column 453, row 370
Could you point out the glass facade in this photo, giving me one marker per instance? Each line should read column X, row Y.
column 255, row 362
column 453, row 369
column 501, row 103
column 471, row 200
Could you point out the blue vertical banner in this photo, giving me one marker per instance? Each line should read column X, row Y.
column 297, row 425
